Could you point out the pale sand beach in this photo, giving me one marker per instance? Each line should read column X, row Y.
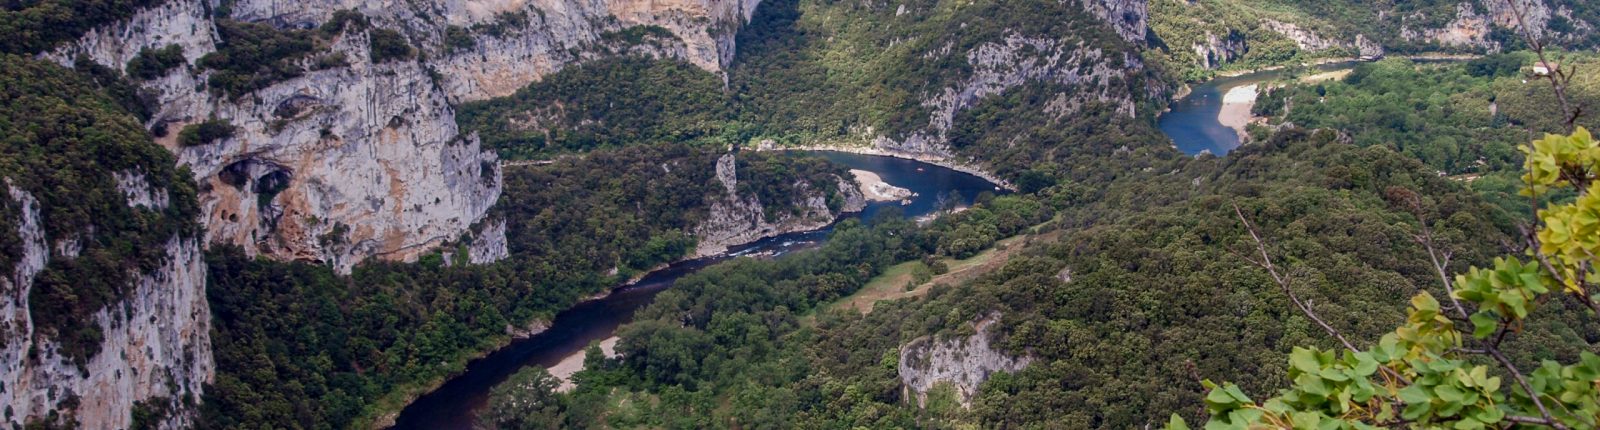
column 878, row 191
column 573, row 363
column 1236, row 104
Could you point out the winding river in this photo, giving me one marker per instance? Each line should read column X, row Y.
column 455, row 404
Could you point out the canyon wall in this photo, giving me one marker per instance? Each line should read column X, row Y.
column 340, row 164
column 365, row 160
column 154, row 348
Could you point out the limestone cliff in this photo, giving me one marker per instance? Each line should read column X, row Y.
column 964, row 362
column 155, row 348
column 365, row 160
column 1472, row 28
column 736, row 219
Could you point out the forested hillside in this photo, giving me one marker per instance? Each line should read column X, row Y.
column 1102, row 291
column 1119, row 315
column 1465, row 120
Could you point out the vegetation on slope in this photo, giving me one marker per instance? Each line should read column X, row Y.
column 603, row 104
column 1464, row 120
column 34, row 26
column 1122, row 344
column 63, row 140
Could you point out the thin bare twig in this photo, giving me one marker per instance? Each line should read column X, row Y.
column 1494, row 351
column 1266, row 263
column 1558, row 78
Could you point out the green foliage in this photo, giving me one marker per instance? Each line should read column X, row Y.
column 1439, row 115
column 252, row 56
column 34, row 26
column 654, row 35
column 148, row 414
column 154, row 63
column 526, row 401
column 458, row 39
column 1429, row 376
column 62, row 141
column 205, row 132
column 389, row 45
column 602, row 104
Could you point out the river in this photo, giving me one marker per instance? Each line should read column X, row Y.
column 454, row 405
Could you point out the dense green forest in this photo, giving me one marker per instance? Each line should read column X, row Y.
column 33, row 26
column 605, row 103
column 1464, row 120
column 298, row 346
column 1120, row 345
column 64, row 143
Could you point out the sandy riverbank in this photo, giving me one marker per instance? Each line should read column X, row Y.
column 1236, row 104
column 875, row 189
column 571, row 364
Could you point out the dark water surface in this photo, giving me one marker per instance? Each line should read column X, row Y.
column 454, row 405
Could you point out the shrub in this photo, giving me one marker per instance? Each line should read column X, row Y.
column 389, row 45
column 154, row 63
column 206, row 132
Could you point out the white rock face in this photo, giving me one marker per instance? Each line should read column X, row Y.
column 156, row 345
column 1471, row 27
column 1130, row 18
column 1305, row 39
column 1216, row 51
column 550, row 35
column 489, row 245
column 964, row 362
column 735, row 220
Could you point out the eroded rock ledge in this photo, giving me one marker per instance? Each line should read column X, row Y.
column 963, row 362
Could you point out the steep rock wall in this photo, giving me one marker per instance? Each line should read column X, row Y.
column 361, row 161
column 155, row 348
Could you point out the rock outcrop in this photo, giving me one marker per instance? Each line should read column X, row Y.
column 155, row 347
column 1130, row 18
column 1215, row 51
column 964, row 362
column 736, row 219
column 1472, row 28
